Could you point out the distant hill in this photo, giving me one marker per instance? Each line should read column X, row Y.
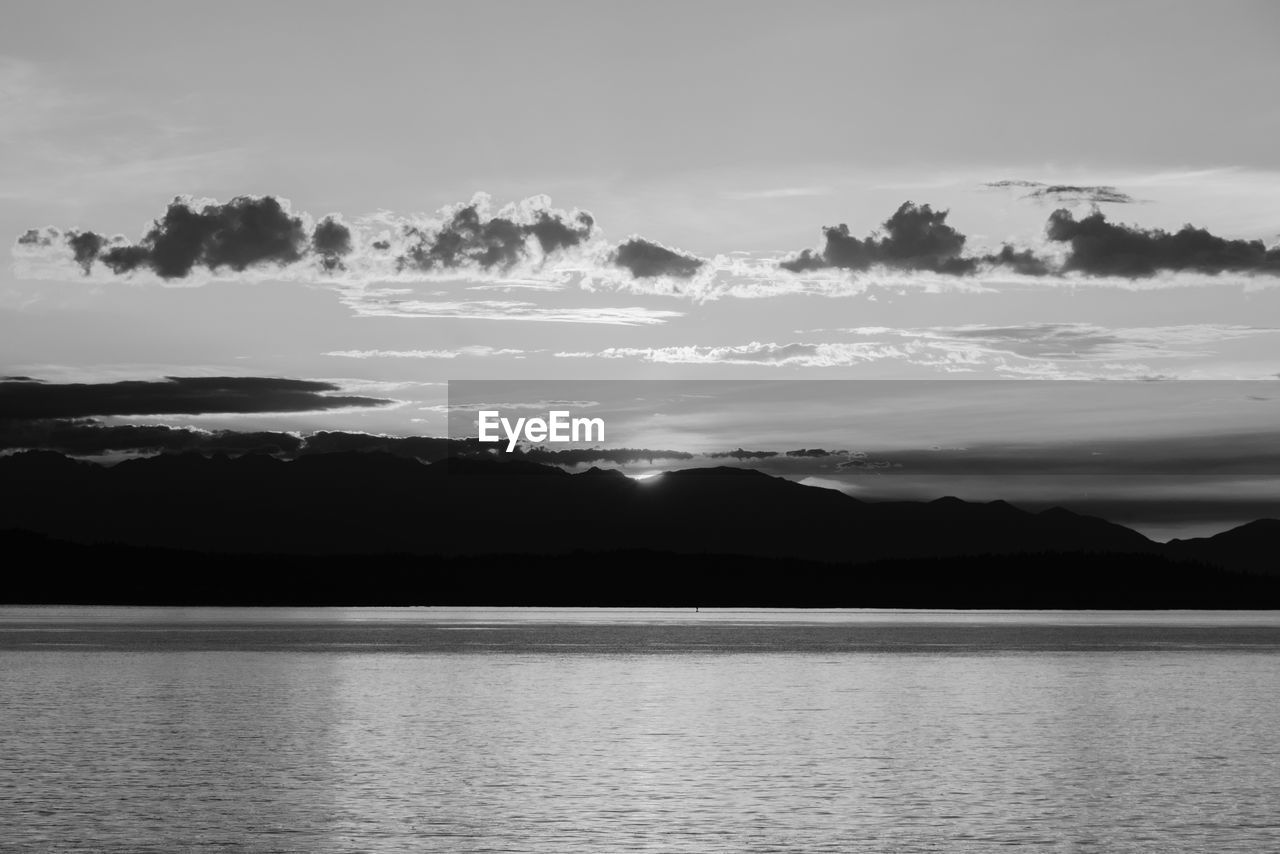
column 1252, row 547
column 454, row 510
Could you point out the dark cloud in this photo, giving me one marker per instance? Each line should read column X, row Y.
column 1021, row 261
column 125, row 259
column 860, row 461
column 1001, row 185
column 1072, row 193
column 28, row 400
column 39, row 237
column 645, row 260
column 89, row 437
column 916, row 237
column 468, row 239
column 331, row 240
column 245, row 232
column 553, row 232
column 1094, row 194
column 740, row 454
column 85, row 245
column 82, row 437
column 1101, row 248
column 814, row 452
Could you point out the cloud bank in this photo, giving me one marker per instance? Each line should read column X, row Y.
column 262, row 234
column 447, row 265
column 29, row 400
column 1101, row 248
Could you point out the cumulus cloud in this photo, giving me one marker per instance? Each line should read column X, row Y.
column 646, row 259
column 1101, row 248
column 22, row 400
column 247, row 231
column 262, row 233
column 470, row 238
column 448, row 265
column 914, row 238
column 331, row 240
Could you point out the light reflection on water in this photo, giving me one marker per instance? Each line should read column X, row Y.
column 325, row 730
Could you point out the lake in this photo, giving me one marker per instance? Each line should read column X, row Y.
column 536, row 730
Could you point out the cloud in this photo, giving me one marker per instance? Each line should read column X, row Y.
column 86, row 437
column 754, row 353
column 1044, row 350
column 449, row 264
column 1101, row 248
column 1086, row 342
column 331, row 240
column 477, row 350
column 28, row 400
column 914, row 238
column 646, row 259
column 262, row 233
column 1093, row 194
column 536, row 405
column 382, row 303
column 85, row 246
column 740, row 454
column 245, row 232
column 1024, row 262
column 470, row 238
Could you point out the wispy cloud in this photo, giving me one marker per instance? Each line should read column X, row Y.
column 1045, row 350
column 372, row 303
column 778, row 193
column 1069, row 193
column 753, row 353
column 474, row 350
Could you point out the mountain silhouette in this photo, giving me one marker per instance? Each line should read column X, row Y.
column 387, row 509
column 1252, row 547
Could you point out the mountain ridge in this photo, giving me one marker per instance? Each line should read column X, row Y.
column 375, row 503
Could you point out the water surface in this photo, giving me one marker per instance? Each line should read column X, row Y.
column 326, row 730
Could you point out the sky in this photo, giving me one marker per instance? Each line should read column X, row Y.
column 650, row 177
